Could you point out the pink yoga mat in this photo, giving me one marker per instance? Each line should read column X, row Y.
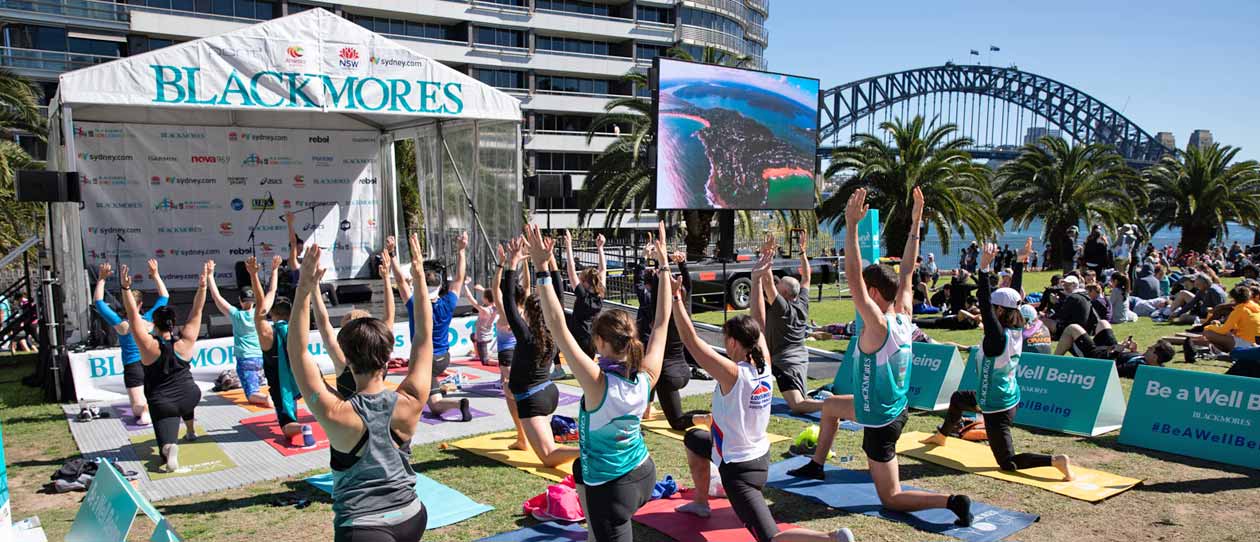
column 721, row 526
column 266, row 428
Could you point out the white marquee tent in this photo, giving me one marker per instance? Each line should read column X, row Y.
column 311, row 71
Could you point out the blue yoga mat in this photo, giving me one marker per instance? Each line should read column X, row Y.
column 853, row 491
column 543, row 532
column 444, row 505
column 779, row 407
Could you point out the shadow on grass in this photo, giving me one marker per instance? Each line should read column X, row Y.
column 1247, row 478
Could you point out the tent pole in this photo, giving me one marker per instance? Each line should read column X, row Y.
column 471, row 206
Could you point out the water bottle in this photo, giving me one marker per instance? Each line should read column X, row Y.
column 459, row 379
column 308, row 436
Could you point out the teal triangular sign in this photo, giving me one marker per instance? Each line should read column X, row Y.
column 164, row 533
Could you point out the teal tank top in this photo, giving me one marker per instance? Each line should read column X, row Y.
column 881, row 379
column 610, row 439
column 998, row 389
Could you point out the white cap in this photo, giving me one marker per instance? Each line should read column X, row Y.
column 1028, row 312
column 1071, row 279
column 1007, row 297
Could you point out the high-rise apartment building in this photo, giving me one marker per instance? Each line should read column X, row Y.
column 564, row 59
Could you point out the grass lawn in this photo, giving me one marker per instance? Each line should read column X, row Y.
column 1182, row 499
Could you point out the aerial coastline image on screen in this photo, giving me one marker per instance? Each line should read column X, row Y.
column 734, row 139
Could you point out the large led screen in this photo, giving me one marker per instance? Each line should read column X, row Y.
column 730, row 138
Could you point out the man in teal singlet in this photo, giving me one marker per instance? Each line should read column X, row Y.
column 880, row 370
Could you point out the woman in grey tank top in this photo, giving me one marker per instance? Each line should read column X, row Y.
column 374, row 486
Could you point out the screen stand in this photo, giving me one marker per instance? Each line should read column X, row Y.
column 726, row 235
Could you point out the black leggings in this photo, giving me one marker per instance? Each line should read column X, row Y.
column 610, row 505
column 998, row 427
column 408, row 531
column 168, row 413
column 743, row 483
column 674, row 376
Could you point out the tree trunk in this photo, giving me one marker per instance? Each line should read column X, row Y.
column 896, row 233
column 1062, row 253
column 1196, row 236
column 698, row 233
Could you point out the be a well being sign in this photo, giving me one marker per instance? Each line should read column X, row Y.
column 109, row 510
column 935, row 372
column 1197, row 414
column 1079, row 396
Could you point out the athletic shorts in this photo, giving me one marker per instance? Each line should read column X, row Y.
column 790, row 376
column 440, row 364
column 250, row 371
column 542, row 402
column 506, row 356
column 133, row 375
column 880, row 443
column 1097, row 347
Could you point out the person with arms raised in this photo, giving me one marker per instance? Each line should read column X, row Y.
column 168, row 381
column 249, row 362
column 614, row 475
column 133, row 370
column 741, row 411
column 882, row 371
column 272, row 336
column 389, row 262
column 997, row 396
column 370, row 434
column 785, row 317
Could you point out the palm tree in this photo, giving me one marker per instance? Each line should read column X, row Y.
column 1200, row 190
column 1065, row 184
column 956, row 189
column 19, row 113
column 619, row 180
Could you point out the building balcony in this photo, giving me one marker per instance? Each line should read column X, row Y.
column 758, row 34
column 735, row 9
column 82, row 13
column 760, row 5
column 178, row 23
column 567, row 102
column 696, row 35
column 581, row 63
column 560, row 141
column 40, row 64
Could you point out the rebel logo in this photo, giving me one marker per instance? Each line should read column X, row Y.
column 319, row 139
column 367, row 180
column 239, row 251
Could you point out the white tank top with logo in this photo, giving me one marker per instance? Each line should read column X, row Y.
column 741, row 416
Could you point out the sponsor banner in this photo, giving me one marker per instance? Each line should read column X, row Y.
column 98, row 374
column 6, row 510
column 934, row 375
column 312, row 61
column 186, row 194
column 1196, row 414
column 1080, row 396
column 109, row 509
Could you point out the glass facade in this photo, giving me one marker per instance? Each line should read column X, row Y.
column 248, row 9
column 499, row 37
column 650, row 14
column 563, row 161
column 724, row 32
column 401, row 27
column 576, row 6
column 509, row 79
column 572, row 45
column 552, row 83
column 710, row 20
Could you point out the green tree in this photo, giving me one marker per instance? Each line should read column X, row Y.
column 19, row 113
column 619, row 180
column 1201, row 190
column 956, row 189
column 1063, row 185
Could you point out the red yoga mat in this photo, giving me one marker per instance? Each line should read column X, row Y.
column 721, row 526
column 267, row 430
column 470, row 362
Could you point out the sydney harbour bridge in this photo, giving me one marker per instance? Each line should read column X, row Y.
column 999, row 109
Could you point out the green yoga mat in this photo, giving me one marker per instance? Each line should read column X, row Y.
column 200, row 457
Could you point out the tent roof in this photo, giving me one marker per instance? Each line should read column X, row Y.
column 288, row 72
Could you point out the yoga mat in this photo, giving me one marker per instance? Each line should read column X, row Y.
column 267, row 430
column 200, row 457
column 495, row 446
column 488, row 389
column 721, row 526
column 1089, row 485
column 237, row 397
column 444, row 505
column 128, row 418
column 550, row 531
column 660, row 426
column 471, row 363
column 779, row 407
column 451, row 415
column 853, row 491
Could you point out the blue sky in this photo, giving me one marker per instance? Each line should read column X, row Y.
column 1170, row 66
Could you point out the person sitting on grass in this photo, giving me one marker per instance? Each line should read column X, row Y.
column 370, row 434
column 1239, row 330
column 1188, row 306
column 1103, row 345
column 272, row 337
column 881, row 367
column 1118, row 300
column 997, row 396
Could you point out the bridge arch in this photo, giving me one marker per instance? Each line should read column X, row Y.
column 1079, row 115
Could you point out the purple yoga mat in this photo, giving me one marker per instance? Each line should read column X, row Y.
column 128, row 419
column 492, row 389
column 451, row 415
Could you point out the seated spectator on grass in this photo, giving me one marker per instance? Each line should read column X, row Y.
column 1036, row 336
column 941, row 298
column 1103, row 345
column 1073, row 308
column 1097, row 301
column 1189, row 305
column 1147, row 284
column 1119, row 300
column 1240, row 329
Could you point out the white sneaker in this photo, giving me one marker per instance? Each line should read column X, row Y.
column 844, row 535
column 171, row 451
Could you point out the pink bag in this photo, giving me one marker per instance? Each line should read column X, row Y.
column 559, row 503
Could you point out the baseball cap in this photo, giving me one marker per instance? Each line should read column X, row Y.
column 1028, row 312
column 1071, row 279
column 247, row 293
column 1007, row 297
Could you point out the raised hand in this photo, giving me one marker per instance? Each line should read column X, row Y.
column 276, row 261
column 153, row 268
column 800, row 242
column 599, row 241
column 210, row 266
column 769, row 244
column 764, row 262
column 540, row 247
column 288, row 217
column 678, row 257
column 391, row 245
column 917, row 210
column 103, row 271
column 251, row 265
column 987, row 253
column 311, row 272
column 461, row 241
column 661, row 248
column 500, row 251
column 568, row 240
column 417, row 262
column 856, row 209
column 206, row 271
column 1026, row 251
column 124, row 277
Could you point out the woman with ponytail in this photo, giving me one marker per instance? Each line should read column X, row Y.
column 588, row 292
column 168, row 382
column 614, row 474
column 531, row 395
column 742, row 394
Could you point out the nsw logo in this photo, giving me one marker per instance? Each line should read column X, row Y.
column 348, row 58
